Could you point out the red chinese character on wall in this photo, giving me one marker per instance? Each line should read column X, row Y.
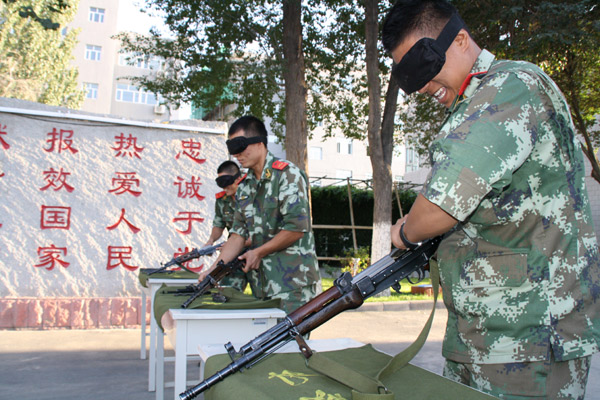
column 60, row 141
column 3, row 142
column 122, row 218
column 50, row 256
column 57, row 180
column 188, row 189
column 192, row 150
column 123, row 183
column 127, row 146
column 187, row 263
column 189, row 217
column 54, row 217
column 119, row 255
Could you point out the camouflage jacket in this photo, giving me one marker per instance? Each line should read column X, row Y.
column 224, row 209
column 276, row 201
column 520, row 273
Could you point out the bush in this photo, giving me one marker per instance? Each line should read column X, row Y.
column 330, row 207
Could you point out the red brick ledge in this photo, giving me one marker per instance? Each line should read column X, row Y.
column 71, row 313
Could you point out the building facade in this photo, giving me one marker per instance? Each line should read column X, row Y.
column 103, row 69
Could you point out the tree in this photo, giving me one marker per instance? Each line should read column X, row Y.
column 562, row 37
column 231, row 53
column 249, row 54
column 27, row 11
column 35, row 61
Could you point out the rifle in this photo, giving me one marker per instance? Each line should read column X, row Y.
column 212, row 279
column 194, row 253
column 346, row 293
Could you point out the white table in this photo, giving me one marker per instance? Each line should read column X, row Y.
column 153, row 285
column 187, row 329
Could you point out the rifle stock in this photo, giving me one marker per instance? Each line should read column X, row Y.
column 347, row 293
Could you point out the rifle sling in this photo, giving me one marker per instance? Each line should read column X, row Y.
column 367, row 388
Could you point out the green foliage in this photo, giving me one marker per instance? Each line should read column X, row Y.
column 47, row 22
column 362, row 255
column 227, row 51
column 330, row 207
column 35, row 61
column 221, row 52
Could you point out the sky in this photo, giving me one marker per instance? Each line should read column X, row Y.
column 132, row 19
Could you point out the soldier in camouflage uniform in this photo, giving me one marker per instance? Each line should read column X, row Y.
column 228, row 178
column 272, row 210
column 519, row 263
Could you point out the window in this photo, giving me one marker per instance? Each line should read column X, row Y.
column 96, row 14
column 92, row 52
column 131, row 94
column 344, row 146
column 91, row 90
column 315, row 153
column 412, row 160
column 144, row 62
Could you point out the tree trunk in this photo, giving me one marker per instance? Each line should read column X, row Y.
column 380, row 140
column 295, row 85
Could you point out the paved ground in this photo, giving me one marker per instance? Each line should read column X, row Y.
column 106, row 365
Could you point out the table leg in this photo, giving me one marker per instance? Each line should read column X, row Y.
column 152, row 350
column 143, row 338
column 160, row 365
column 180, row 357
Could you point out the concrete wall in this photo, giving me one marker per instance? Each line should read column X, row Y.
column 87, row 201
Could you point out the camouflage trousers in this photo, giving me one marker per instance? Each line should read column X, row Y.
column 525, row 380
column 295, row 298
column 237, row 280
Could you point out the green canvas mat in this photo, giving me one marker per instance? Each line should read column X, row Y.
column 236, row 300
column 286, row 376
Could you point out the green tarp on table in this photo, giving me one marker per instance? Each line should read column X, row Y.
column 236, row 300
column 286, row 376
column 182, row 274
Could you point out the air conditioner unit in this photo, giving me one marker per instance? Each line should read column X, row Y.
column 160, row 109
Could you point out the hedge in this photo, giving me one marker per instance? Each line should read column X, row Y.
column 330, row 207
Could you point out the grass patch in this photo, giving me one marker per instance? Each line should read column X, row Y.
column 404, row 295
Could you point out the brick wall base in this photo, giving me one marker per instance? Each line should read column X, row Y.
column 72, row 313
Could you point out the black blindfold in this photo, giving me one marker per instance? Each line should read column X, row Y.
column 426, row 58
column 225, row 180
column 240, row 143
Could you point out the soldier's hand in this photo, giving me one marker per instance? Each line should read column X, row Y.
column 253, row 259
column 395, row 234
column 204, row 273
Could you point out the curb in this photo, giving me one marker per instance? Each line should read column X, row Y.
column 423, row 305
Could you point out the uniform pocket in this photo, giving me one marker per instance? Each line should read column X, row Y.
column 495, row 269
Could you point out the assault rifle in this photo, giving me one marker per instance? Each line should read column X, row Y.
column 347, row 293
column 193, row 254
column 210, row 281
